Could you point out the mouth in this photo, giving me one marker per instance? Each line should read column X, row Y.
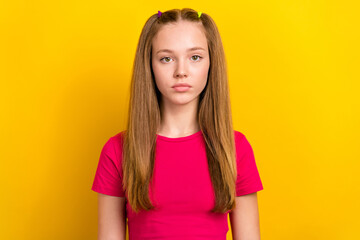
column 181, row 88
column 181, row 85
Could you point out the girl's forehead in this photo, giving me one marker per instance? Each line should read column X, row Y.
column 180, row 33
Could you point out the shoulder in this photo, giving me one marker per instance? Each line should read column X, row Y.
column 242, row 144
column 239, row 137
column 114, row 145
column 118, row 138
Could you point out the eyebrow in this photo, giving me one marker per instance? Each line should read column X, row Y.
column 189, row 50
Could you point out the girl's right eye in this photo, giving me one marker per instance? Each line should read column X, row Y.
column 164, row 58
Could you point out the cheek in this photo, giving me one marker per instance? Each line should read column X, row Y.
column 203, row 72
column 159, row 71
column 160, row 77
column 156, row 70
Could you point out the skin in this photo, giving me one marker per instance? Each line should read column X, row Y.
column 111, row 217
column 244, row 219
column 180, row 66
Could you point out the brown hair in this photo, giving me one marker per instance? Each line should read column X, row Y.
column 214, row 117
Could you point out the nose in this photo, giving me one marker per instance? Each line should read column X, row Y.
column 181, row 69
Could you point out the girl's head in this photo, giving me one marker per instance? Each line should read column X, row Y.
column 174, row 33
column 178, row 31
column 180, row 55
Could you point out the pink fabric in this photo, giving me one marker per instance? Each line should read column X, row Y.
column 182, row 191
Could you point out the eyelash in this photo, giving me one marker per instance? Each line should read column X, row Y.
column 199, row 57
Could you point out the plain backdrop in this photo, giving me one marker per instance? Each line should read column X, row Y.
column 65, row 69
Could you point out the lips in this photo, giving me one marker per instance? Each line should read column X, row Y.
column 181, row 89
column 181, row 85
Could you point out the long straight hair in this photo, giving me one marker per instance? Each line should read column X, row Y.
column 144, row 117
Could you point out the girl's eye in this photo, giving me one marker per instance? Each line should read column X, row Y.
column 198, row 57
column 165, row 58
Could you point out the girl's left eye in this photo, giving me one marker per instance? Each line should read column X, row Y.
column 198, row 57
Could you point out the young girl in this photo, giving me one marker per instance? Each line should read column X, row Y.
column 179, row 168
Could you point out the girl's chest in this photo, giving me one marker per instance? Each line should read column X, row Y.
column 181, row 179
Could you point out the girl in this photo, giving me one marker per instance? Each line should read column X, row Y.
column 179, row 168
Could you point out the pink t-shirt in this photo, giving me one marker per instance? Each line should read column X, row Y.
column 182, row 191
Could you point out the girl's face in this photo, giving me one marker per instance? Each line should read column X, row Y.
column 180, row 55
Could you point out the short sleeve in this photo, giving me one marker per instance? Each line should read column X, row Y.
column 108, row 176
column 248, row 178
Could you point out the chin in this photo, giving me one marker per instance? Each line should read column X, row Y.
column 183, row 100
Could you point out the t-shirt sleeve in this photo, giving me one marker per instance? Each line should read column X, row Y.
column 108, row 176
column 248, row 178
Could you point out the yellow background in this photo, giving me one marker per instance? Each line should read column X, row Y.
column 294, row 78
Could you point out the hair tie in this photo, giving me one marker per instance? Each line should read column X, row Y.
column 159, row 14
column 199, row 14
